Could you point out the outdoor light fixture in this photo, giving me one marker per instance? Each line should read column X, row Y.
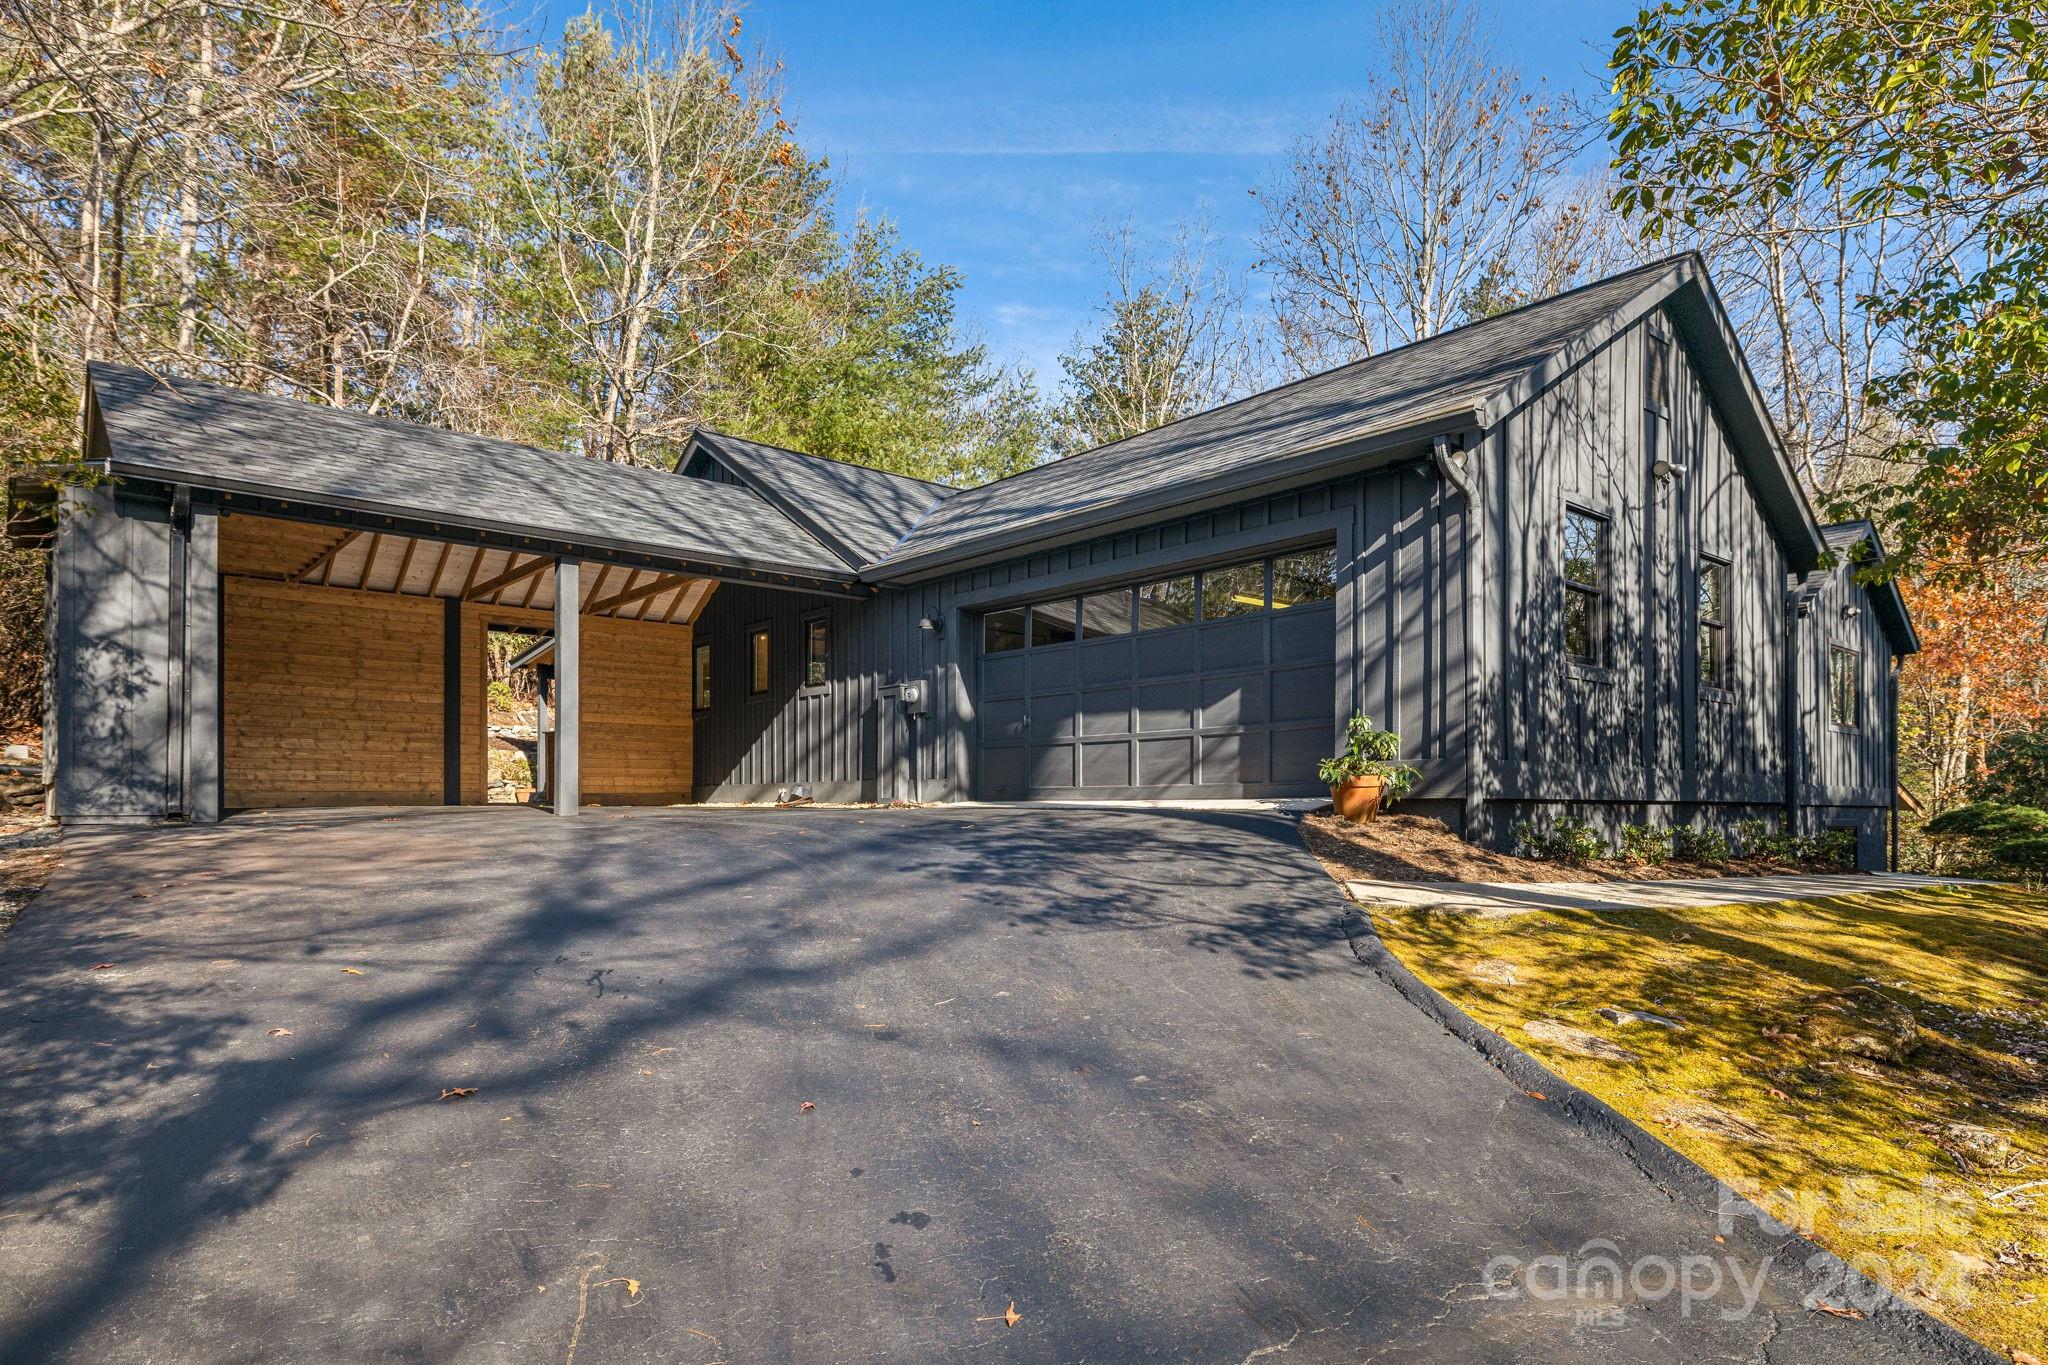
column 1667, row 471
column 1851, row 613
column 932, row 624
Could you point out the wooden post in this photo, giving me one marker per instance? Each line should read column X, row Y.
column 568, row 686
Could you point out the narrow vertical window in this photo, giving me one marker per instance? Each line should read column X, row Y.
column 757, row 661
column 1585, row 585
column 1713, row 623
column 817, row 651
column 700, row 677
column 1845, row 687
column 1657, row 370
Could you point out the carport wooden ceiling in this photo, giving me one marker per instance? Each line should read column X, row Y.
column 414, row 566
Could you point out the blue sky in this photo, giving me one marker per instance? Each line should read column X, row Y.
column 996, row 136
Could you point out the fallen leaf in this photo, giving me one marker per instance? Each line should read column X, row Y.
column 1854, row 1314
column 102, row 967
column 142, row 895
column 1536, row 1095
column 460, row 1092
column 805, row 1105
column 1011, row 1317
column 353, row 971
column 280, row 1033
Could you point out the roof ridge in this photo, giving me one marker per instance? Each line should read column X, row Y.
column 1662, row 262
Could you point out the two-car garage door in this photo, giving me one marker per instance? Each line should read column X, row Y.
column 1219, row 683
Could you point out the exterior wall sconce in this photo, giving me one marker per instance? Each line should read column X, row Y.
column 1851, row 613
column 1667, row 471
column 932, row 624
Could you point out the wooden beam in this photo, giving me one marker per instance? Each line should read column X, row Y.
column 619, row 599
column 596, row 590
column 326, row 556
column 412, row 543
column 434, row 583
column 476, row 561
column 370, row 562
column 697, row 595
column 532, row 587
column 506, row 579
column 675, row 604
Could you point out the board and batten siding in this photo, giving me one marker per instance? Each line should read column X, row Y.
column 1401, row 598
column 1636, row 728
column 1840, row 766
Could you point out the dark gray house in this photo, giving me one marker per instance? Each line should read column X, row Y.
column 1561, row 551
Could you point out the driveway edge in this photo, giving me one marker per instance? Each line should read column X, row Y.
column 1677, row 1175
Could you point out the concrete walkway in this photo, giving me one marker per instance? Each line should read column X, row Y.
column 1520, row 898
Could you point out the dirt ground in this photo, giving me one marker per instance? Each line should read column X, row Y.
column 1416, row 848
column 28, row 855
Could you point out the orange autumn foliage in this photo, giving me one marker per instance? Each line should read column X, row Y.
column 1982, row 672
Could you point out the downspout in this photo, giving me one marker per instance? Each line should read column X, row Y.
column 1788, row 706
column 1892, row 760
column 1451, row 465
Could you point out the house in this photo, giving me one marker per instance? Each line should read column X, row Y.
column 1560, row 550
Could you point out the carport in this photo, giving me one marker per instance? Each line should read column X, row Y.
column 273, row 605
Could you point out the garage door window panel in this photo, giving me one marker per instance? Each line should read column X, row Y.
column 1052, row 623
column 1305, row 578
column 1106, row 614
column 1002, row 631
column 1239, row 590
column 1168, row 603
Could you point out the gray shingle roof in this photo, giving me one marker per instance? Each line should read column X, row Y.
column 1385, row 393
column 860, row 511
column 218, row 437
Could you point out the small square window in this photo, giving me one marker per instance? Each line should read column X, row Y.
column 1304, row 578
column 757, row 661
column 1713, row 623
column 1053, row 623
column 1171, row 603
column 700, row 677
column 1239, row 590
column 1002, row 631
column 1106, row 613
column 1845, row 687
column 817, row 651
column 1657, row 370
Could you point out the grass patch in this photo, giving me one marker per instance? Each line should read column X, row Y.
column 1872, row 1069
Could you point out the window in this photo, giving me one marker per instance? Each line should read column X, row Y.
column 817, row 651
column 757, row 661
column 700, row 677
column 1657, row 369
column 1002, row 631
column 1052, row 623
column 1585, row 585
column 1239, row 590
column 1106, row 613
column 1845, row 686
column 1171, row 603
column 1304, row 577
column 1713, row 624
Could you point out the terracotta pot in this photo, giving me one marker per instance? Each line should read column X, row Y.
column 1358, row 800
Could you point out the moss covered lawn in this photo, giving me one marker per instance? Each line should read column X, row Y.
column 1871, row 1069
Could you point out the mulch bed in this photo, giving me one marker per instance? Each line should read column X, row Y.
column 1416, row 848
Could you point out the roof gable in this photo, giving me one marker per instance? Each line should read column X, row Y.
column 1844, row 541
column 859, row 511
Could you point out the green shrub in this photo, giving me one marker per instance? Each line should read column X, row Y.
column 1829, row 848
column 1753, row 836
column 1988, row 820
column 1690, row 845
column 1569, row 841
column 2027, row 854
column 1644, row 844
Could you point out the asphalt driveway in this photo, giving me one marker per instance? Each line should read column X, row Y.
column 815, row 1085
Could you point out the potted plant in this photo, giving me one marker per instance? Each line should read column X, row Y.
column 1365, row 776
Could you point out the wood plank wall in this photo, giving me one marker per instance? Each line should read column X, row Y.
column 334, row 696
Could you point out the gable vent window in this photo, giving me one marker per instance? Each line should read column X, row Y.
column 1845, row 687
column 1713, row 623
column 1585, row 585
column 1657, row 370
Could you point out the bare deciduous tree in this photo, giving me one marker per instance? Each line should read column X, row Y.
column 1168, row 342
column 1379, row 227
